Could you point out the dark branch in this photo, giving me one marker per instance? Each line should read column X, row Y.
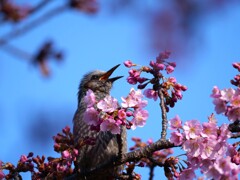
column 235, row 136
column 133, row 156
column 39, row 6
column 234, row 127
column 164, row 115
column 17, row 32
column 151, row 173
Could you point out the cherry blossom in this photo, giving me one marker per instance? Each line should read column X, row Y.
column 140, row 117
column 192, row 129
column 108, row 104
column 176, row 138
column 111, row 126
column 129, row 63
column 151, row 94
column 91, row 116
column 90, row 98
column 175, row 123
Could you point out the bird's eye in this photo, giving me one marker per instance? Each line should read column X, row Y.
column 95, row 77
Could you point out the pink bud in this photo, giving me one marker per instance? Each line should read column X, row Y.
column 66, row 130
column 75, row 152
column 129, row 113
column 66, row 154
column 169, row 69
column 23, row 158
column 129, row 64
column 152, row 63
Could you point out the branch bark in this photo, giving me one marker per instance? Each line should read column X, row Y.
column 133, row 156
column 164, row 115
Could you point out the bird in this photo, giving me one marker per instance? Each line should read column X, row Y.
column 106, row 147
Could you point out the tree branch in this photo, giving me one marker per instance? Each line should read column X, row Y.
column 39, row 6
column 130, row 157
column 17, row 32
column 234, row 127
column 164, row 114
column 235, row 136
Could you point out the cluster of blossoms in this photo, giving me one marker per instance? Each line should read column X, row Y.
column 227, row 102
column 206, row 148
column 107, row 115
column 53, row 167
column 172, row 90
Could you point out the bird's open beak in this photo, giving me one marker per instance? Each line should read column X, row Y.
column 106, row 75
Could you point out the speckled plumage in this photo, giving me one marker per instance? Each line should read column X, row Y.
column 106, row 146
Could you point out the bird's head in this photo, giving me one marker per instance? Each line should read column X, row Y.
column 98, row 82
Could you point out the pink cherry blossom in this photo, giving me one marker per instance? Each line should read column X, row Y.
column 220, row 106
column 23, row 158
column 192, row 129
column 193, row 147
column 157, row 66
column 169, row 69
column 108, row 104
column 151, row 94
column 122, row 114
column 140, row 117
column 227, row 94
column 91, row 116
column 110, row 125
column 233, row 113
column 212, row 173
column 172, row 80
column 187, row 174
column 215, row 92
column 175, row 123
column 134, row 74
column 209, row 151
column 163, row 56
column 205, row 164
column 209, row 130
column 226, row 168
column 90, row 98
column 134, row 100
column 176, row 138
column 66, row 154
column 224, row 132
column 235, row 101
column 128, row 63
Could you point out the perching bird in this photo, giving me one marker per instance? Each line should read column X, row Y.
column 106, row 147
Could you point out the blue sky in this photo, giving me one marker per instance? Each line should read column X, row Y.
column 100, row 42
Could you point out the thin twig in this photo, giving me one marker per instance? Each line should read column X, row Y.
column 235, row 136
column 17, row 32
column 151, row 173
column 39, row 6
column 164, row 114
column 234, row 127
